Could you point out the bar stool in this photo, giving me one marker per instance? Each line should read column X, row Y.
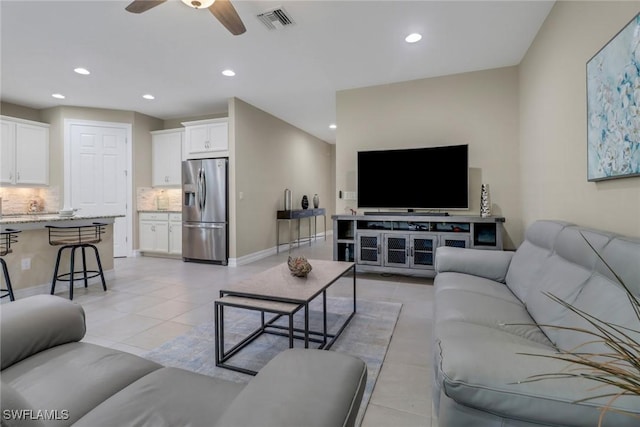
column 72, row 238
column 8, row 237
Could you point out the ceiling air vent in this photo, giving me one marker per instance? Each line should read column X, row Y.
column 275, row 19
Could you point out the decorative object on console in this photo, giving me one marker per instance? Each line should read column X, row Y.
column 316, row 201
column 485, row 201
column 299, row 266
column 287, row 199
column 305, row 202
column 612, row 104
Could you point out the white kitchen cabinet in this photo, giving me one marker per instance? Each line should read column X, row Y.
column 24, row 152
column 175, row 234
column 154, row 232
column 166, row 155
column 206, row 138
column 160, row 233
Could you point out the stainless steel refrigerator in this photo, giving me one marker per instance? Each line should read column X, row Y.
column 204, row 210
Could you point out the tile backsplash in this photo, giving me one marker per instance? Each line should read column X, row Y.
column 18, row 200
column 152, row 199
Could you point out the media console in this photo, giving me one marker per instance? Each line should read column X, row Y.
column 408, row 244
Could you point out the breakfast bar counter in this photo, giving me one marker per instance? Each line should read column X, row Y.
column 41, row 220
column 32, row 259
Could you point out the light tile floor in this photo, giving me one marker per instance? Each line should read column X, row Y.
column 152, row 300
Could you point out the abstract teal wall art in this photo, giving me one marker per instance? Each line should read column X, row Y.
column 613, row 107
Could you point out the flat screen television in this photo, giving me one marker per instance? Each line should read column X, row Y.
column 415, row 178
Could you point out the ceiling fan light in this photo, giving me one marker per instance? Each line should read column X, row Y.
column 198, row 4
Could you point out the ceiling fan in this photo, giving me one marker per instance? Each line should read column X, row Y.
column 223, row 10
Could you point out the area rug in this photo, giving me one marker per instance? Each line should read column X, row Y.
column 367, row 336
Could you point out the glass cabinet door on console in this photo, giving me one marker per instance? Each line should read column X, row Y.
column 455, row 240
column 368, row 249
column 396, row 250
column 422, row 251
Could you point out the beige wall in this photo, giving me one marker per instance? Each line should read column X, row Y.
column 478, row 108
column 553, row 134
column 271, row 155
column 20, row 112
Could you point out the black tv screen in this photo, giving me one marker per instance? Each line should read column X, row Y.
column 416, row 178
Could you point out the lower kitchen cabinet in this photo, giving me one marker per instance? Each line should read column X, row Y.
column 160, row 233
column 175, row 234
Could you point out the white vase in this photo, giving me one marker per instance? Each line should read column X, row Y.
column 485, row 201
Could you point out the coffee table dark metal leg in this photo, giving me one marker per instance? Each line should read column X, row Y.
column 306, row 325
column 324, row 317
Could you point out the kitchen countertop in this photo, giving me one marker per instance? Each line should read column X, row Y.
column 159, row 211
column 40, row 220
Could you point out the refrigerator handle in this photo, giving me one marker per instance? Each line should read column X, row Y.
column 199, row 189
column 204, row 190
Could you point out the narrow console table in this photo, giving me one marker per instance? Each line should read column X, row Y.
column 297, row 215
column 407, row 244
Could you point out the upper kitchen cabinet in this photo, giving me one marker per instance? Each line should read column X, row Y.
column 166, row 149
column 206, row 138
column 24, row 152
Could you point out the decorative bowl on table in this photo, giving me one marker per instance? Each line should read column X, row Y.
column 65, row 213
column 299, row 266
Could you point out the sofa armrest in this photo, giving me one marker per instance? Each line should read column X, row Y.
column 301, row 387
column 489, row 264
column 31, row 325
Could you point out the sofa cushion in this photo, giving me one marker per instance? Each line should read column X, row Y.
column 562, row 279
column 603, row 299
column 488, row 264
column 16, row 411
column 623, row 256
column 167, row 397
column 76, row 377
column 527, row 262
column 483, row 368
column 470, row 299
column 326, row 386
column 38, row 323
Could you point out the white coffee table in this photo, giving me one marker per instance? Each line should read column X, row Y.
column 276, row 291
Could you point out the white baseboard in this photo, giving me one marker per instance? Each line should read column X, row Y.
column 256, row 256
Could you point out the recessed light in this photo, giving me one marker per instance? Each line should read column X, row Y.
column 82, row 71
column 413, row 37
column 58, row 96
column 229, row 73
column 332, row 126
column 148, row 96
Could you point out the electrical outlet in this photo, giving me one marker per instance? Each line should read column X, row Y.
column 26, row 263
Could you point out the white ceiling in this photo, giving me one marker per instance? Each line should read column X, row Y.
column 177, row 53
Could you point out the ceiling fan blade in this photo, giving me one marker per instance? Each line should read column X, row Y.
column 224, row 11
column 139, row 6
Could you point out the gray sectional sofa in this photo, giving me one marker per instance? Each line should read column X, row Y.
column 50, row 377
column 487, row 308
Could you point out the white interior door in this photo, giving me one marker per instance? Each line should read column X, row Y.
column 99, row 176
